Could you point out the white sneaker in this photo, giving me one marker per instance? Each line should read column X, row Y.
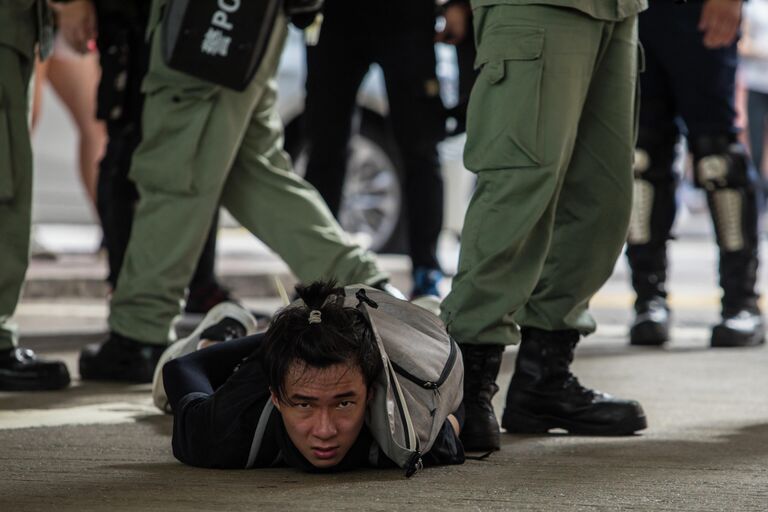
column 190, row 344
column 429, row 302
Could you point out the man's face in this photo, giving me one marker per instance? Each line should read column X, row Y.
column 327, row 411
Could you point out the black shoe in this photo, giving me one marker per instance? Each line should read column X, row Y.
column 426, row 281
column 202, row 299
column 743, row 328
column 481, row 367
column 21, row 370
column 544, row 394
column 651, row 325
column 120, row 359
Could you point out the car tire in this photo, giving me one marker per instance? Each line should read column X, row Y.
column 372, row 203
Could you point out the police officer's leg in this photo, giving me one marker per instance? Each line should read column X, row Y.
column 286, row 212
column 757, row 111
column 522, row 130
column 590, row 227
column 653, row 212
column 205, row 291
column 335, row 68
column 723, row 168
column 418, row 119
column 189, row 139
column 124, row 58
column 19, row 368
column 654, row 205
column 117, row 193
column 191, row 130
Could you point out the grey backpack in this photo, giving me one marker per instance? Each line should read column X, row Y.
column 422, row 381
column 421, row 384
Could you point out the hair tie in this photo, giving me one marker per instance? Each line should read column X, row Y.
column 315, row 317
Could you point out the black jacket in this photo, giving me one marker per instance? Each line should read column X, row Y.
column 216, row 430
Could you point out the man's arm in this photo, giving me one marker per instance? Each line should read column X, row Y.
column 215, row 410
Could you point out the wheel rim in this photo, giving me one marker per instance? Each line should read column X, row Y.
column 371, row 197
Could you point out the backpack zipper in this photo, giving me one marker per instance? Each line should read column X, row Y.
column 426, row 384
column 407, row 426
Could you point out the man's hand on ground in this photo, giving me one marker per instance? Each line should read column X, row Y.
column 720, row 20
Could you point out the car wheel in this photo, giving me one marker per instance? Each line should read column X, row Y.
column 371, row 205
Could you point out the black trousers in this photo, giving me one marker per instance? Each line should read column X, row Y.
column 124, row 57
column 336, row 67
column 690, row 89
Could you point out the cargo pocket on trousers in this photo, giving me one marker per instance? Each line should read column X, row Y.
column 6, row 152
column 503, row 111
column 174, row 120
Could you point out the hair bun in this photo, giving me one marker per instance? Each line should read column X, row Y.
column 319, row 295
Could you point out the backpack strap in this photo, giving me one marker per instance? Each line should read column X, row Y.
column 258, row 436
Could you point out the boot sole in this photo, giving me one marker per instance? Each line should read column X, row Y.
column 648, row 334
column 13, row 382
column 518, row 422
column 725, row 338
column 481, row 443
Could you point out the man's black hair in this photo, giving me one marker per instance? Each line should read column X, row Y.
column 338, row 335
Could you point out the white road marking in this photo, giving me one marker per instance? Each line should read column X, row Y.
column 619, row 331
column 96, row 414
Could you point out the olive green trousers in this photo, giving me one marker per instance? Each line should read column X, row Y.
column 550, row 133
column 205, row 145
column 15, row 184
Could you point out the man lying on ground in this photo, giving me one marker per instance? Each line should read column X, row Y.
column 312, row 374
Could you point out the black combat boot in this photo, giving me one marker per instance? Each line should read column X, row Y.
column 481, row 367
column 120, row 359
column 651, row 324
column 742, row 324
column 739, row 328
column 544, row 394
column 725, row 171
column 653, row 212
column 21, row 370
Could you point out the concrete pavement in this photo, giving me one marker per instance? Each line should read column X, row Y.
column 706, row 449
column 103, row 447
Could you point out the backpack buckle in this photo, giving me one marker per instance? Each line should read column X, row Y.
column 362, row 297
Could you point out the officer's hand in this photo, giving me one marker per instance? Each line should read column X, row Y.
column 720, row 21
column 457, row 16
column 77, row 23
